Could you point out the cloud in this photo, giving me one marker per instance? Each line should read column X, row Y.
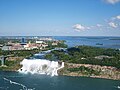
column 118, row 17
column 99, row 25
column 79, row 27
column 112, row 1
column 112, row 24
column 115, row 21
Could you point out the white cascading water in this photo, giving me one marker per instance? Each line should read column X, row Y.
column 40, row 66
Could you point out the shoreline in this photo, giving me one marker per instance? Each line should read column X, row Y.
column 93, row 77
column 75, row 74
column 112, row 75
column 70, row 75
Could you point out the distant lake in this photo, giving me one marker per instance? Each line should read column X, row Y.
column 106, row 42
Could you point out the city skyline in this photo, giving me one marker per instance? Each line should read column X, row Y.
column 60, row 18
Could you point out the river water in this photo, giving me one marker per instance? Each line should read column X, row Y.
column 17, row 81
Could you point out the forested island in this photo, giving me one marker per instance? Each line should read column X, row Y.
column 88, row 61
column 88, row 55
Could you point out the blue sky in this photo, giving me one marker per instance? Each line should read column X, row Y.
column 60, row 17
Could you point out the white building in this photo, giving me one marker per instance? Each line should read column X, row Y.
column 39, row 42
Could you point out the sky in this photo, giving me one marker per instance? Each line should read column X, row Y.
column 59, row 17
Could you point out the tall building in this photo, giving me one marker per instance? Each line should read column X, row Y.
column 23, row 41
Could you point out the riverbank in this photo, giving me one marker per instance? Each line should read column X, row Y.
column 12, row 64
column 87, row 70
column 70, row 69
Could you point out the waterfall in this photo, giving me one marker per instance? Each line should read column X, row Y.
column 40, row 66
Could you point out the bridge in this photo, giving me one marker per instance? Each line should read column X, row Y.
column 3, row 58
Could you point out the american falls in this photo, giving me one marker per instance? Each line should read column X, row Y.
column 40, row 66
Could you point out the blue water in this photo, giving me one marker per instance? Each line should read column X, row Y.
column 108, row 42
column 16, row 81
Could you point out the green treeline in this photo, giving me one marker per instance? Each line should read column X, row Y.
column 18, row 53
column 87, row 54
column 61, row 44
column 84, row 70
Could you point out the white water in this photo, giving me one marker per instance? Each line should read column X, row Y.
column 23, row 86
column 40, row 66
column 118, row 87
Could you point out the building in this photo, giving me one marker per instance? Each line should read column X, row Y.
column 39, row 42
column 6, row 47
column 1, row 45
column 55, row 43
column 23, row 41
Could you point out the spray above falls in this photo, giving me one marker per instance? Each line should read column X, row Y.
column 40, row 66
